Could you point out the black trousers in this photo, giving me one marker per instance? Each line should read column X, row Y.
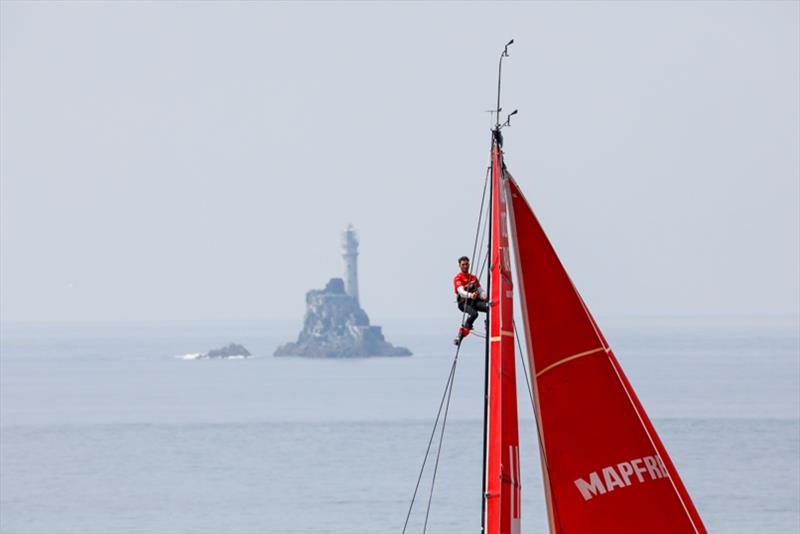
column 471, row 308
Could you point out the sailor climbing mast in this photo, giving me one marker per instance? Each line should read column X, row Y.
column 580, row 395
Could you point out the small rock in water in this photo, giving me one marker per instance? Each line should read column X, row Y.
column 232, row 351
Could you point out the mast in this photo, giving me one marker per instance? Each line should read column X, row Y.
column 484, row 495
column 499, row 80
column 489, row 288
column 500, row 512
column 604, row 467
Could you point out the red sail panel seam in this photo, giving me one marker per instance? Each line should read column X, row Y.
column 649, row 432
column 570, row 358
column 650, row 438
column 622, row 383
column 633, row 405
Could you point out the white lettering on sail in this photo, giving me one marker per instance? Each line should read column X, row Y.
column 513, row 453
column 661, row 466
column 626, row 471
column 652, row 467
column 503, row 223
column 612, row 478
column 638, row 468
column 619, row 476
column 591, row 488
column 505, row 259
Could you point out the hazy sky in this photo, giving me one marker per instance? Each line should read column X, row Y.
column 198, row 160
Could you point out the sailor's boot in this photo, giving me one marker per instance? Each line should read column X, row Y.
column 462, row 333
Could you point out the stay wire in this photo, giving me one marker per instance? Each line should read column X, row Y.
column 448, row 389
column 477, row 251
column 439, row 450
column 484, row 262
column 525, row 369
column 484, row 233
column 475, row 247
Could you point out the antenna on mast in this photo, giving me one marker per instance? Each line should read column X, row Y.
column 492, row 117
column 508, row 119
column 499, row 79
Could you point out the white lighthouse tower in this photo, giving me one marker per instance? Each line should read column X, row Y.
column 350, row 255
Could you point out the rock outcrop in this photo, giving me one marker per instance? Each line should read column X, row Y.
column 335, row 326
column 232, row 351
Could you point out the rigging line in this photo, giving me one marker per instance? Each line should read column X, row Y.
column 439, row 450
column 535, row 418
column 475, row 248
column 483, row 265
column 525, row 369
column 484, row 233
column 480, row 214
column 447, row 388
column 478, row 250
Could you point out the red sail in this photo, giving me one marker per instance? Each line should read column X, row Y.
column 605, row 468
column 502, row 492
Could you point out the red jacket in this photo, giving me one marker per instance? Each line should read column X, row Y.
column 467, row 283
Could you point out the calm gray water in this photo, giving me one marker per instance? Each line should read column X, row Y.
column 103, row 430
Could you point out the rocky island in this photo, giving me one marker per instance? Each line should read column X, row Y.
column 335, row 326
column 233, row 351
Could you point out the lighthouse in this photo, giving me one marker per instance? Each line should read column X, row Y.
column 350, row 255
column 335, row 326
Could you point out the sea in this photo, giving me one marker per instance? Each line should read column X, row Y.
column 109, row 428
